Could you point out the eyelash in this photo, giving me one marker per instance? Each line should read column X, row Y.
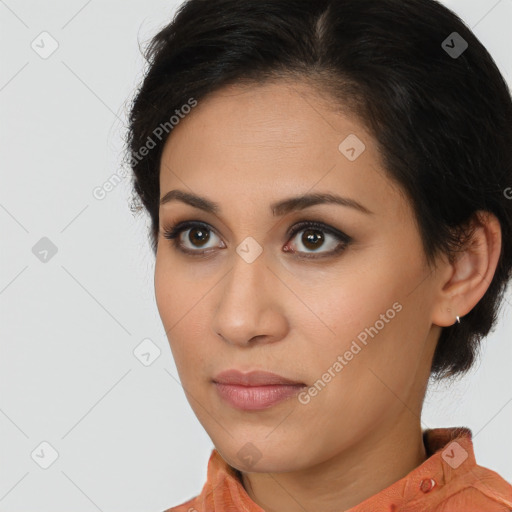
column 173, row 232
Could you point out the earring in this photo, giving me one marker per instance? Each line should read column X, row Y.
column 458, row 319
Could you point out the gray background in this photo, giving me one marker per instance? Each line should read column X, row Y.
column 125, row 435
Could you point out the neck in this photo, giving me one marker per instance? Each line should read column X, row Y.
column 348, row 478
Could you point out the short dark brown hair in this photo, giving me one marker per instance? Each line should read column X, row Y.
column 412, row 72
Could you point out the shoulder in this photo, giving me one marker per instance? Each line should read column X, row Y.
column 216, row 494
column 188, row 506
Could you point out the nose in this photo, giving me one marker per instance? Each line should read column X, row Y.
column 251, row 306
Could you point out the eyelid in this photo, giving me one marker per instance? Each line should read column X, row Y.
column 320, row 225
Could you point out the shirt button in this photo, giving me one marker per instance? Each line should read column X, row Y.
column 427, row 485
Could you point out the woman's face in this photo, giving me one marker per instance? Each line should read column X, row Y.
column 354, row 325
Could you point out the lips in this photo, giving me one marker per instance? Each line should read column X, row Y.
column 256, row 390
column 254, row 378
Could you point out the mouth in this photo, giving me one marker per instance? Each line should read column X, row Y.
column 255, row 390
column 254, row 378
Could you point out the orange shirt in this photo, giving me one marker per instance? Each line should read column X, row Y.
column 448, row 481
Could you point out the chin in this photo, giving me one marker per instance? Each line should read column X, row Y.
column 251, row 456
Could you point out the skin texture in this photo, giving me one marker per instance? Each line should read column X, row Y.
column 246, row 147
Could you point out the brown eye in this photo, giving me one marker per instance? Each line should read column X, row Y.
column 312, row 239
column 316, row 236
column 198, row 235
column 197, row 238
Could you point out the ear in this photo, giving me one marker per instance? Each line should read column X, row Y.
column 470, row 275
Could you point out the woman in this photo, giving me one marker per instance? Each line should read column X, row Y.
column 332, row 224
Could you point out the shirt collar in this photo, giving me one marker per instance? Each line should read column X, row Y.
column 449, row 468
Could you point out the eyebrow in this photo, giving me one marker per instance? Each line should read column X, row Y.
column 278, row 209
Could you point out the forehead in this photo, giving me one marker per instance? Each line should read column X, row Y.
column 264, row 142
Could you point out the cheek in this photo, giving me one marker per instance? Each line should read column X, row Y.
column 175, row 294
column 363, row 322
column 163, row 284
column 340, row 306
column 171, row 299
column 183, row 317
